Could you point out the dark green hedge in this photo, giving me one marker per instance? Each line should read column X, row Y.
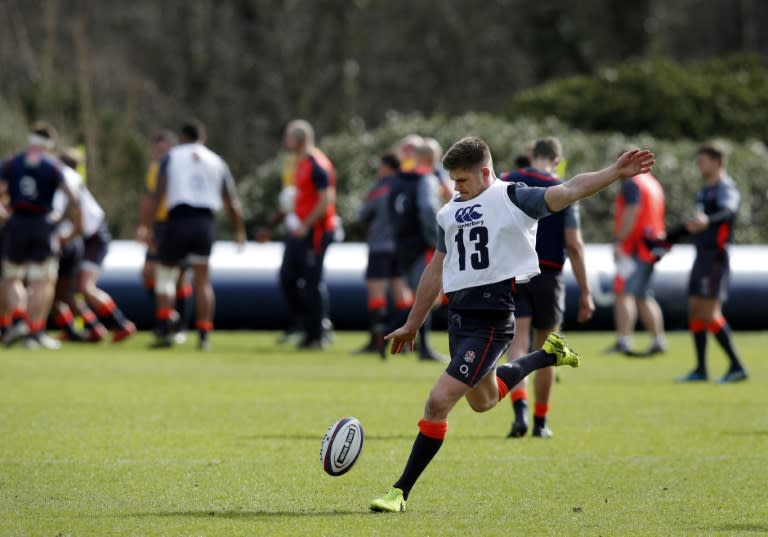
column 727, row 97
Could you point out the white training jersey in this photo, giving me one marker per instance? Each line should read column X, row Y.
column 195, row 177
column 487, row 239
column 93, row 214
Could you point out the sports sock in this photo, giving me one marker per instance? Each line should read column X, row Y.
column 699, row 330
column 377, row 318
column 540, row 411
column 513, row 372
column 203, row 329
column 110, row 315
column 520, row 403
column 722, row 332
column 163, row 319
column 425, row 447
column 5, row 323
column 183, row 303
column 65, row 320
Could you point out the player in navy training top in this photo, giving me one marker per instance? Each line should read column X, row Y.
column 32, row 177
column 712, row 229
column 540, row 303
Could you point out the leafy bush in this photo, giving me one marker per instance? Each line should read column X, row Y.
column 354, row 153
column 725, row 97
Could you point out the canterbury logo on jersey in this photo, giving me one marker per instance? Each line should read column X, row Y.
column 468, row 214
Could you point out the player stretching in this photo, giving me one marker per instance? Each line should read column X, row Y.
column 486, row 242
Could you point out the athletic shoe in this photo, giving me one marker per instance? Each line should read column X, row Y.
column 519, row 428
column 162, row 342
column 312, row 344
column 180, row 337
column 45, row 341
column 126, row 331
column 15, row 333
column 737, row 375
column 693, row 376
column 557, row 345
column 542, row 432
column 97, row 333
column 291, row 337
column 75, row 336
column 392, row 502
column 618, row 348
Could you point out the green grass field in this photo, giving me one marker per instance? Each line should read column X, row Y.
column 119, row 440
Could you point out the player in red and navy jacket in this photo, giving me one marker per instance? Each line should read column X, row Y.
column 312, row 232
column 540, row 303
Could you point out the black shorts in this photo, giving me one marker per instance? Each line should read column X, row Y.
column 29, row 239
column 476, row 343
column 542, row 299
column 70, row 258
column 189, row 233
column 710, row 275
column 96, row 246
column 382, row 266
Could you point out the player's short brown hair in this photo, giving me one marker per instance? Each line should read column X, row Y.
column 548, row 148
column 466, row 154
column 713, row 150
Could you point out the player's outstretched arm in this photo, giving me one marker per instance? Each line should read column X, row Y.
column 429, row 287
column 586, row 184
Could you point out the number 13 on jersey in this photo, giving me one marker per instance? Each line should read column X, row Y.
column 477, row 236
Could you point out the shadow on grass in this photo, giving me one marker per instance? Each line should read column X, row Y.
column 250, row 515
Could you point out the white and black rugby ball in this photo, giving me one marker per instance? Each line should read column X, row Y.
column 342, row 445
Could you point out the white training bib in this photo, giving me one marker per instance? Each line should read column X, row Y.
column 195, row 177
column 93, row 214
column 488, row 239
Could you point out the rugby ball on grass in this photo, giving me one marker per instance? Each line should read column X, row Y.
column 341, row 447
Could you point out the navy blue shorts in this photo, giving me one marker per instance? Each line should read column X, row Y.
column 382, row 266
column 70, row 258
column 476, row 343
column 710, row 275
column 96, row 247
column 542, row 299
column 29, row 239
column 189, row 233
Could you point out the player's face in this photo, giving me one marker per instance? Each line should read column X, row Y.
column 470, row 183
column 707, row 165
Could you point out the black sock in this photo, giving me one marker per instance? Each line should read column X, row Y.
column 723, row 337
column 513, row 372
column 520, row 407
column 700, row 340
column 539, row 422
column 181, row 306
column 423, row 451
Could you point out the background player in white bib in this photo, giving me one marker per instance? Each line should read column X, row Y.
column 196, row 183
column 486, row 242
